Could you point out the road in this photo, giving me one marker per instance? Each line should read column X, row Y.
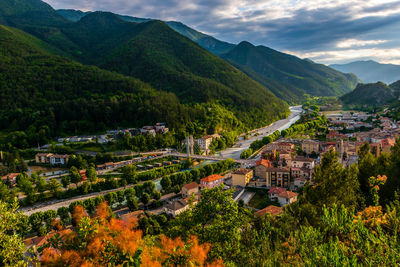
column 235, row 151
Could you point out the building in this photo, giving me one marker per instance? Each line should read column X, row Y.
column 261, row 168
column 43, row 157
column 285, row 146
column 287, row 197
column 148, row 130
column 11, row 177
column 303, row 162
column 274, row 192
column 204, row 143
column 300, row 182
column 59, row 159
column 190, row 189
column 174, row 208
column 279, row 177
column 302, row 173
column 211, row 181
column 132, row 216
column 310, row 146
column 242, row 177
column 272, row 210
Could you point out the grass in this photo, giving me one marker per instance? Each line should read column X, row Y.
column 260, row 200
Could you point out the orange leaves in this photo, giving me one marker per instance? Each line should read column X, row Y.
column 103, row 212
column 115, row 242
column 371, row 216
column 79, row 213
column 175, row 252
column 382, row 179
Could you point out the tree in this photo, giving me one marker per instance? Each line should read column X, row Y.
column 63, row 213
column 5, row 193
column 25, row 184
column 157, row 195
column 129, row 173
column 105, row 241
column 41, row 184
column 166, row 183
column 132, row 203
column 66, row 181
column 91, row 174
column 177, row 189
column 11, row 244
column 54, row 186
column 215, row 218
column 75, row 176
column 145, row 198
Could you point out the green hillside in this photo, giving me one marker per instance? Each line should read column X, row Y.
column 369, row 94
column 46, row 95
column 168, row 61
column 210, row 43
column 295, row 75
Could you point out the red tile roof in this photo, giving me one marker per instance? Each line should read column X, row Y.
column 276, row 190
column 191, row 186
column 211, row 178
column 273, row 210
column 288, row 194
column 264, row 162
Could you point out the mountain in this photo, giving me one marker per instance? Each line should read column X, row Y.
column 27, row 12
column 187, row 85
column 45, row 95
column 288, row 77
column 210, row 43
column 370, row 94
column 72, row 14
column 371, row 71
column 293, row 76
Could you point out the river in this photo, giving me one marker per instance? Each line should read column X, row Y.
column 235, row 151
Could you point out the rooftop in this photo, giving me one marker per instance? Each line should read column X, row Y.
column 211, row 178
column 242, row 171
column 264, row 162
column 276, row 190
column 273, row 210
column 191, row 186
column 288, row 194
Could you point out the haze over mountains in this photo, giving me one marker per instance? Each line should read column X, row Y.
column 164, row 71
column 371, row 71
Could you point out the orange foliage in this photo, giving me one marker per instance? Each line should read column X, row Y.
column 116, row 242
column 371, row 216
column 103, row 212
column 79, row 213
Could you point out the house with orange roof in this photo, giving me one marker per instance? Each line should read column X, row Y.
column 274, row 192
column 272, row 210
column 190, row 189
column 261, row 168
column 211, row 181
column 287, row 197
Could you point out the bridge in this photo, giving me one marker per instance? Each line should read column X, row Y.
column 243, row 162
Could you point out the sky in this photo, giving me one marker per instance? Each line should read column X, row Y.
column 325, row 31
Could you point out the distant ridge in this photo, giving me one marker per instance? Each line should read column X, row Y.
column 371, row 71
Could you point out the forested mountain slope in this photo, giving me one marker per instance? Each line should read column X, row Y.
column 294, row 76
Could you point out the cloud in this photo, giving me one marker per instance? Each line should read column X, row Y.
column 308, row 26
column 389, row 55
column 357, row 43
